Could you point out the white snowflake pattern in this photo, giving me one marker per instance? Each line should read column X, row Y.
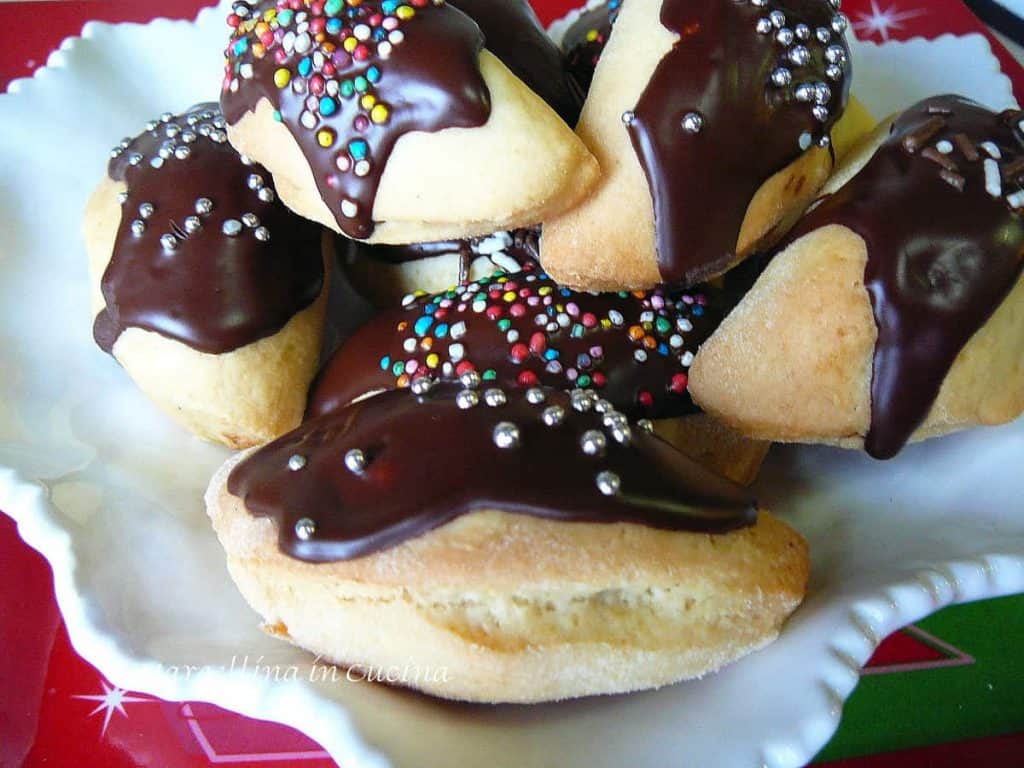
column 112, row 699
column 879, row 22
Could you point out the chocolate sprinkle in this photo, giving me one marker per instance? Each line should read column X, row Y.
column 922, row 135
column 930, row 153
column 954, row 179
column 966, row 146
column 1014, row 169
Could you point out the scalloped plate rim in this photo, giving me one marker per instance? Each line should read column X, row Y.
column 869, row 619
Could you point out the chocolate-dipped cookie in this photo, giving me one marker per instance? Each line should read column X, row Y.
column 207, row 290
column 390, row 122
column 898, row 300
column 585, row 39
column 513, row 33
column 385, row 274
column 523, row 330
column 711, row 122
column 418, row 528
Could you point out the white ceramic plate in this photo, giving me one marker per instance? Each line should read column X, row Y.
column 111, row 493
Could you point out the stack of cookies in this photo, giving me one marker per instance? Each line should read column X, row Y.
column 605, row 277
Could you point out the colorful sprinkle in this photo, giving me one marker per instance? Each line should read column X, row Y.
column 358, row 149
column 325, row 137
column 649, row 324
column 328, row 106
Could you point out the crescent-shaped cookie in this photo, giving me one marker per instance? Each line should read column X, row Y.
column 390, row 122
column 710, row 121
column 631, row 349
column 895, row 310
column 205, row 288
column 513, row 552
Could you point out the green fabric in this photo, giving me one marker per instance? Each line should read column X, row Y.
column 910, row 709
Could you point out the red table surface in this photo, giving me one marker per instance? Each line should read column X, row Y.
column 57, row 710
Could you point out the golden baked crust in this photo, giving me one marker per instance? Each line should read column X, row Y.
column 714, row 446
column 522, row 166
column 242, row 398
column 851, row 129
column 793, row 362
column 608, row 242
column 520, row 609
column 793, row 359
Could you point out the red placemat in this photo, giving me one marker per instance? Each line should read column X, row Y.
column 946, row 692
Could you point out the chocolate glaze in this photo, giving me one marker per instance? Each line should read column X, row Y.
column 347, row 310
column 720, row 72
column 428, row 461
column 585, row 40
column 428, row 81
column 943, row 252
column 513, row 33
column 633, row 349
column 209, row 290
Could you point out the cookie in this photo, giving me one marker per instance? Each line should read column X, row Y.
column 205, row 288
column 714, row 446
column 513, row 33
column 711, row 123
column 585, row 39
column 633, row 350
column 852, row 128
column 895, row 309
column 385, row 274
column 409, row 532
column 391, row 123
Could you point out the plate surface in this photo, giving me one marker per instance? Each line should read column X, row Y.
column 111, row 493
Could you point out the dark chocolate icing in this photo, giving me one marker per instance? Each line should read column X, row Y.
column 740, row 96
column 347, row 310
column 945, row 247
column 214, row 279
column 513, row 33
column 632, row 348
column 409, row 67
column 585, row 40
column 397, row 465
